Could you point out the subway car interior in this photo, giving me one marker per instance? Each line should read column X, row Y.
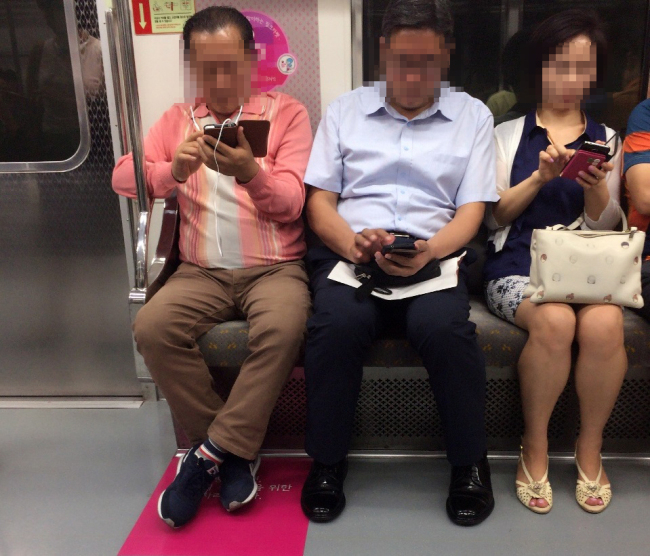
column 88, row 443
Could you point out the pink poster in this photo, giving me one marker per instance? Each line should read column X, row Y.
column 272, row 525
column 275, row 62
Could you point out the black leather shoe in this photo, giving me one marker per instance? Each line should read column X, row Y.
column 322, row 498
column 470, row 493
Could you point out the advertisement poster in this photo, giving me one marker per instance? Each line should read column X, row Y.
column 275, row 63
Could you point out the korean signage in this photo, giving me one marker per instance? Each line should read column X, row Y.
column 161, row 16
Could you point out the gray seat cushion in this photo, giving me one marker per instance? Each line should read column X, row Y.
column 226, row 345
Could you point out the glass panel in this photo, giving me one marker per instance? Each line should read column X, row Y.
column 39, row 109
column 489, row 37
column 625, row 23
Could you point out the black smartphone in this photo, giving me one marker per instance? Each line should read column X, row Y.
column 404, row 245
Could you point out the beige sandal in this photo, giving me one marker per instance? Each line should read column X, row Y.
column 586, row 489
column 534, row 489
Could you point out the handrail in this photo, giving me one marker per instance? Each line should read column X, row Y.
column 111, row 36
column 118, row 90
column 130, row 117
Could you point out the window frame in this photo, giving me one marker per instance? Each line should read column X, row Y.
column 511, row 22
column 84, row 127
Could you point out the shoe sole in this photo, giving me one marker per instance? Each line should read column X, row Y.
column 167, row 520
column 236, row 505
column 600, row 509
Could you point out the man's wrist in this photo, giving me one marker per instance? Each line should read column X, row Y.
column 350, row 248
column 433, row 249
column 248, row 173
column 174, row 176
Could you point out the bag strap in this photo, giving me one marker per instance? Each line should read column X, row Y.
column 613, row 149
column 581, row 219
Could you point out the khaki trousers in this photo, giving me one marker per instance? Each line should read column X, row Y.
column 274, row 299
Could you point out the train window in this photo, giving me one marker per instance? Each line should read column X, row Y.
column 489, row 38
column 48, row 66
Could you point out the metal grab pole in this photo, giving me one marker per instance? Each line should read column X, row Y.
column 118, row 89
column 133, row 123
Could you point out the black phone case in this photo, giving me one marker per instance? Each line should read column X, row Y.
column 255, row 131
column 400, row 243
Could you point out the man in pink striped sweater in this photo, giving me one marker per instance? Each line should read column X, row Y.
column 241, row 243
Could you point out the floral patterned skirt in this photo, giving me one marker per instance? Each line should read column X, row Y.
column 504, row 295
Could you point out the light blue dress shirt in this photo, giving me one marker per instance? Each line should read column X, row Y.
column 396, row 174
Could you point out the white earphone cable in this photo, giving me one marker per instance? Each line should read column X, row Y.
column 216, row 187
column 216, row 162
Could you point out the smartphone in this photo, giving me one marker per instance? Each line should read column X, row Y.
column 255, row 131
column 589, row 154
column 403, row 245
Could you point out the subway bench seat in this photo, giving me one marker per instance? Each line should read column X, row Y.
column 396, row 409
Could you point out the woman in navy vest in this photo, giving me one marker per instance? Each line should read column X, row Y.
column 568, row 55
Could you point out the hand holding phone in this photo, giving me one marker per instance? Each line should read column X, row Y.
column 593, row 176
column 255, row 131
column 589, row 154
column 187, row 159
column 403, row 245
column 401, row 260
column 367, row 242
column 238, row 161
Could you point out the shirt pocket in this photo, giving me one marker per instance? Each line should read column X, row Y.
column 444, row 168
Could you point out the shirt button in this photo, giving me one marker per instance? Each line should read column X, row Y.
column 399, row 218
column 402, row 191
column 406, row 148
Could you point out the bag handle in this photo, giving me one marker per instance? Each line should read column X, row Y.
column 580, row 221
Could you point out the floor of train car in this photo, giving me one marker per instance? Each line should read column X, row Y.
column 74, row 481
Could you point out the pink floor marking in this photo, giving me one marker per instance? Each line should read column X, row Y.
column 271, row 525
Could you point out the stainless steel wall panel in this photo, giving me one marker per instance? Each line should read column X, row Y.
column 64, row 319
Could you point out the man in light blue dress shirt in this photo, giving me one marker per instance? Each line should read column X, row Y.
column 405, row 155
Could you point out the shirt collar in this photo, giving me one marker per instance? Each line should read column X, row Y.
column 591, row 129
column 374, row 100
column 255, row 106
column 532, row 123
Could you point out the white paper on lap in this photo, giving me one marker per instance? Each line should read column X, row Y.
column 344, row 273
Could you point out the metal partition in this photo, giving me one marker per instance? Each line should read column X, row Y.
column 118, row 23
column 64, row 326
column 124, row 80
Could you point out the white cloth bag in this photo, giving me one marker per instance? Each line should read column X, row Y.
column 585, row 266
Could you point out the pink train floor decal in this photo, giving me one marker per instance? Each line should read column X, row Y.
column 272, row 525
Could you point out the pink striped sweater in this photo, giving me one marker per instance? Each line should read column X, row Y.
column 256, row 224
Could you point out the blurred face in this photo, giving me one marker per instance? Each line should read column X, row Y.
column 221, row 66
column 415, row 63
column 569, row 73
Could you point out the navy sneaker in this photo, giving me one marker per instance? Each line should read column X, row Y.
column 238, row 482
column 180, row 501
